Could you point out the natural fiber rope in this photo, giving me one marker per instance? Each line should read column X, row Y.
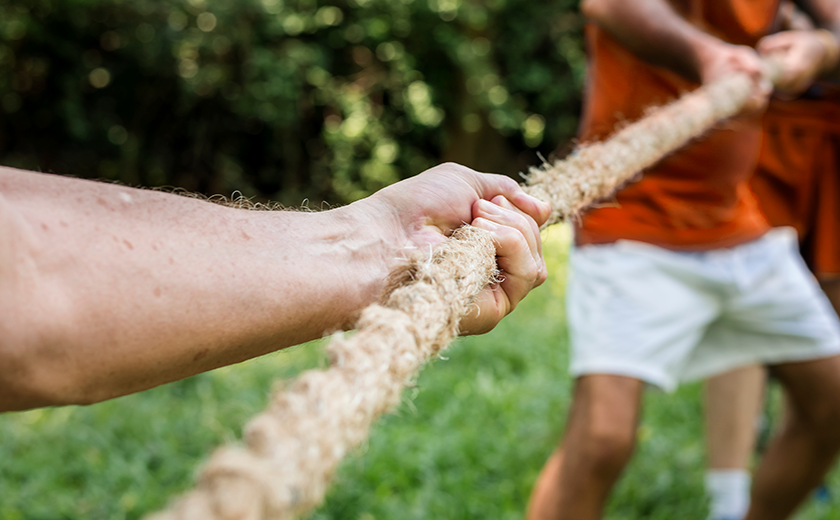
column 293, row 448
column 596, row 171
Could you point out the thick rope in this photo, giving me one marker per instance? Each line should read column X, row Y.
column 595, row 172
column 294, row 447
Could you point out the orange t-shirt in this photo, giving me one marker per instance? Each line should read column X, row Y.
column 699, row 197
column 797, row 181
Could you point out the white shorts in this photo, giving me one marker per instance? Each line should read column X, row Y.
column 665, row 316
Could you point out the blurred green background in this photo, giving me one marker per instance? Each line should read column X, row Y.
column 285, row 99
column 292, row 100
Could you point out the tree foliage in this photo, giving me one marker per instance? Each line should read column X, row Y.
column 284, row 99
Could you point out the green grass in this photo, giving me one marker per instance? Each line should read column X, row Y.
column 468, row 443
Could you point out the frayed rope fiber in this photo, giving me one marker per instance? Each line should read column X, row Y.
column 293, row 448
column 596, row 171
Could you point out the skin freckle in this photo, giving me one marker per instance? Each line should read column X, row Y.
column 246, row 236
column 201, row 354
column 157, row 292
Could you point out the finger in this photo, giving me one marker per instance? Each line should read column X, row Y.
column 489, row 185
column 512, row 219
column 534, row 207
column 763, row 90
column 498, row 300
column 759, row 96
column 488, row 309
column 532, row 224
column 772, row 45
column 520, row 272
column 521, row 269
column 765, row 43
column 747, row 60
column 795, row 79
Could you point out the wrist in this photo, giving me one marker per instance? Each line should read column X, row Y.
column 707, row 54
column 831, row 47
column 372, row 243
column 340, row 255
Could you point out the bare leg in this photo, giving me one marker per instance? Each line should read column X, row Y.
column 547, row 487
column 808, row 443
column 599, row 440
column 733, row 402
column 831, row 288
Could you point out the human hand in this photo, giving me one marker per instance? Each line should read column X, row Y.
column 518, row 255
column 802, row 55
column 420, row 212
column 719, row 60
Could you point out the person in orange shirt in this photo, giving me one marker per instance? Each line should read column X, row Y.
column 682, row 278
column 797, row 184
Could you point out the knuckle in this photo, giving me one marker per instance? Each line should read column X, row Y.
column 521, row 241
column 509, row 183
column 542, row 274
column 507, row 234
column 536, row 274
column 456, row 168
column 518, row 219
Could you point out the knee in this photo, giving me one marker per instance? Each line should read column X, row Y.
column 822, row 420
column 607, row 446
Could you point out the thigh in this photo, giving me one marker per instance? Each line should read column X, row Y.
column 812, row 388
column 831, row 288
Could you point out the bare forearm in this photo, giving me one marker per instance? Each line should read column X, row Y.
column 823, row 13
column 653, row 31
column 107, row 290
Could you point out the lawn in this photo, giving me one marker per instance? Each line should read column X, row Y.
column 468, row 443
